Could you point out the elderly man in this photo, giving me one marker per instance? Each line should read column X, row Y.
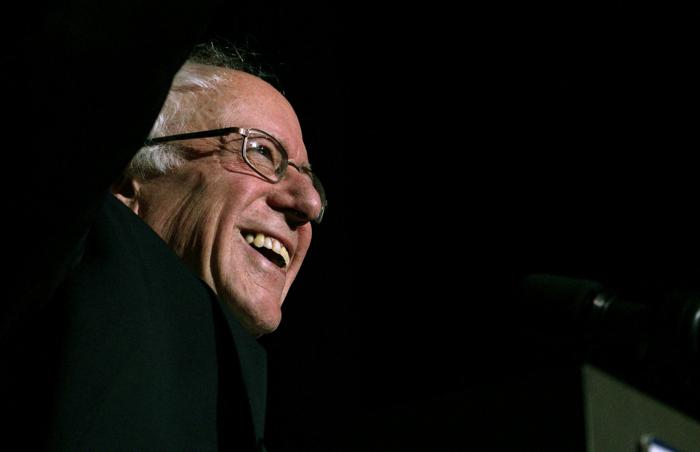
column 229, row 188
column 145, row 349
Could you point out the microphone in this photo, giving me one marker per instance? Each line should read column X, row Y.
column 585, row 310
column 651, row 340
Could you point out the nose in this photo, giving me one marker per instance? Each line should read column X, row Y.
column 296, row 197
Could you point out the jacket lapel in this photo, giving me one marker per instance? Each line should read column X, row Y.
column 253, row 360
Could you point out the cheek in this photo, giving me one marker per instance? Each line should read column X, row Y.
column 239, row 200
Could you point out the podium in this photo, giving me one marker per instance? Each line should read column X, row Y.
column 620, row 418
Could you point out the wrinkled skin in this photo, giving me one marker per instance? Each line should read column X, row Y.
column 201, row 208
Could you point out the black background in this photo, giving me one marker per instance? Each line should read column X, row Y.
column 461, row 150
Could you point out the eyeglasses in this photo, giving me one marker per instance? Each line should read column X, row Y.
column 260, row 150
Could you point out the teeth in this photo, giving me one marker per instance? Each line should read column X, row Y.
column 259, row 241
column 285, row 255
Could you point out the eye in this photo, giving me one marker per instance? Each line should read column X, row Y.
column 264, row 157
column 258, row 150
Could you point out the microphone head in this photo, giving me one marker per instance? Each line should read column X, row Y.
column 559, row 302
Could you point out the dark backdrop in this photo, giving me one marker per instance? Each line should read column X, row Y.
column 463, row 149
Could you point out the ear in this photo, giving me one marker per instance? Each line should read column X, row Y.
column 126, row 189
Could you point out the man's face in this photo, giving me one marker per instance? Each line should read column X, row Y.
column 205, row 210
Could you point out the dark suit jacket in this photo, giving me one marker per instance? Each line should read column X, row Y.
column 136, row 353
column 107, row 342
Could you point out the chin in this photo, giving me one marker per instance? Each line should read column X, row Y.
column 261, row 327
column 258, row 319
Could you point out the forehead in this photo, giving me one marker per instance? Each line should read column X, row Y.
column 244, row 100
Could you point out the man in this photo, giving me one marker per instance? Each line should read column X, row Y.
column 137, row 351
column 233, row 195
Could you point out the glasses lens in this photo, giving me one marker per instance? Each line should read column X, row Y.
column 265, row 156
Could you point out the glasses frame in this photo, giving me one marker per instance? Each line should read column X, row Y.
column 246, row 133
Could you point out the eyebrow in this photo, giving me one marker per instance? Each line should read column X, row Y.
column 304, row 166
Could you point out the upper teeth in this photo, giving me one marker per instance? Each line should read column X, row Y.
column 260, row 240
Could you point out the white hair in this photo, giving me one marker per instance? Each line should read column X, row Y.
column 204, row 72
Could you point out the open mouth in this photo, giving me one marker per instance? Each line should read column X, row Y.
column 269, row 247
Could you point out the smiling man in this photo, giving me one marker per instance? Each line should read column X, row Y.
column 225, row 181
column 149, row 340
